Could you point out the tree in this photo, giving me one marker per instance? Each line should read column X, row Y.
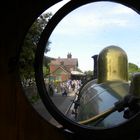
column 132, row 68
column 29, row 47
column 89, row 74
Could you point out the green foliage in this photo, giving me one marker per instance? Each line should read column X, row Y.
column 34, row 99
column 132, row 68
column 89, row 75
column 29, row 47
column 46, row 71
column 89, row 72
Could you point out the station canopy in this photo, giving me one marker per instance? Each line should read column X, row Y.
column 77, row 73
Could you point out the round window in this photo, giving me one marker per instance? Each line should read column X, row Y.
column 65, row 83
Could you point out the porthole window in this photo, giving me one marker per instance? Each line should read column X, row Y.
column 57, row 72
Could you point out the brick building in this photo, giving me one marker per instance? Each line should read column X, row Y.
column 61, row 68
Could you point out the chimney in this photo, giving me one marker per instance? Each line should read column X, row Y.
column 69, row 55
column 95, row 57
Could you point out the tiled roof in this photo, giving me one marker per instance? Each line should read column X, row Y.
column 65, row 61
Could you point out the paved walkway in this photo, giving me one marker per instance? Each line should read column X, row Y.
column 62, row 102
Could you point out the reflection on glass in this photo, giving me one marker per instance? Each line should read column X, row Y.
column 99, row 98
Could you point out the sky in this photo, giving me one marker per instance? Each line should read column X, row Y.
column 87, row 30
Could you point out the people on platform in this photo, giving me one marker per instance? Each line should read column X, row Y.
column 65, row 88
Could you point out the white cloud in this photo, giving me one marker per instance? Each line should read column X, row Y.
column 91, row 18
column 120, row 9
column 82, row 23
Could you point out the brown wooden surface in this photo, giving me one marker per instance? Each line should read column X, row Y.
column 18, row 120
